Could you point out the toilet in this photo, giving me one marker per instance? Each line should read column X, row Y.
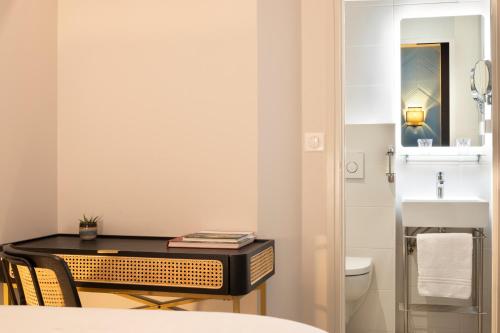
column 358, row 276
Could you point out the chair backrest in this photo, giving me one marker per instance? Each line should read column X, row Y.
column 12, row 265
column 8, row 279
column 43, row 279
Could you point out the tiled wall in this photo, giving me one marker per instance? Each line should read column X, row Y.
column 370, row 225
column 369, row 72
column 370, row 202
column 372, row 35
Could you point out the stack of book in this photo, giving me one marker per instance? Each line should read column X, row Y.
column 214, row 240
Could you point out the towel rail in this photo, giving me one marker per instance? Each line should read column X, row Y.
column 477, row 308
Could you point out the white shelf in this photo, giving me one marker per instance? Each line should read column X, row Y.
column 475, row 158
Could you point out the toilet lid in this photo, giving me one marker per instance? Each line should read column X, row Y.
column 357, row 265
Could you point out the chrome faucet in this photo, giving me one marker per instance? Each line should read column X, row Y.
column 440, row 185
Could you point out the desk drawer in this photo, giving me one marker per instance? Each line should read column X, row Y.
column 161, row 272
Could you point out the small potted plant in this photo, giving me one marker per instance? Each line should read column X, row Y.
column 88, row 227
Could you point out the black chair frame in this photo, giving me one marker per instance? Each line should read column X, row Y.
column 5, row 269
column 33, row 260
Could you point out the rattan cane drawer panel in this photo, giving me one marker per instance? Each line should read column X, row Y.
column 165, row 272
column 261, row 264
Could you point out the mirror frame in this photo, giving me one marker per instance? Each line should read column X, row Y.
column 449, row 147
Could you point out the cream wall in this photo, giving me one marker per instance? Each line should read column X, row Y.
column 157, row 107
column 180, row 116
column 28, row 31
column 279, row 154
column 164, row 118
column 157, row 122
column 317, row 90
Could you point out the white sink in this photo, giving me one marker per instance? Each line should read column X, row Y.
column 446, row 213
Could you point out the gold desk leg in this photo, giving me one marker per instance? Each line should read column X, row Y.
column 176, row 303
column 263, row 299
column 236, row 304
column 5, row 293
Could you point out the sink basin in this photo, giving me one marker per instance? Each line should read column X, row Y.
column 445, row 213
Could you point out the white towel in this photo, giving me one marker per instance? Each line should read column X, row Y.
column 445, row 265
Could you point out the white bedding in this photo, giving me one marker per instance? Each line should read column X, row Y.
column 76, row 320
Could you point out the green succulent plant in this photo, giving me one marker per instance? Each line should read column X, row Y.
column 89, row 221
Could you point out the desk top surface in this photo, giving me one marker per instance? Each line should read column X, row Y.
column 124, row 244
column 47, row 319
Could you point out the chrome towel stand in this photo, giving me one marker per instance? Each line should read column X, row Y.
column 477, row 308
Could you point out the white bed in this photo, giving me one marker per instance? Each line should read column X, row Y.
column 76, row 320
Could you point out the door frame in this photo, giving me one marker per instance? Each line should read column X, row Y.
column 335, row 178
column 335, row 174
column 495, row 232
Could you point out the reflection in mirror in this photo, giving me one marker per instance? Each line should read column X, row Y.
column 425, row 91
column 436, row 57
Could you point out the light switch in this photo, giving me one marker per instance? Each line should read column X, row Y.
column 354, row 165
column 314, row 141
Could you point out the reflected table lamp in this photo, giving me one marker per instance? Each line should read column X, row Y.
column 415, row 116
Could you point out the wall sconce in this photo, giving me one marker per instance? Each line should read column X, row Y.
column 415, row 116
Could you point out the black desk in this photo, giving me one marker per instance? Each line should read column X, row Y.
column 137, row 267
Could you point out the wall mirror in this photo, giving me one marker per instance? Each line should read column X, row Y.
column 437, row 106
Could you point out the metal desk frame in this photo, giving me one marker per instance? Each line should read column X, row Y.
column 179, row 299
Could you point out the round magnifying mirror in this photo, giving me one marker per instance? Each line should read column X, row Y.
column 481, row 78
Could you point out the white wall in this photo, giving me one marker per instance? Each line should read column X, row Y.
column 28, row 30
column 370, row 225
column 369, row 72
